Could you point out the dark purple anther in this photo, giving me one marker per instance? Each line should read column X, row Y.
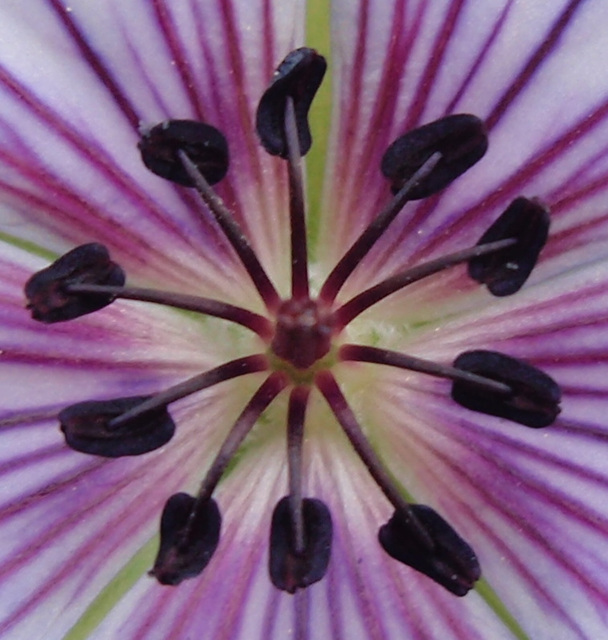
column 504, row 272
column 534, row 398
column 47, row 291
column 86, row 428
column 189, row 535
column 290, row 570
column 298, row 77
column 452, row 563
column 461, row 139
column 203, row 144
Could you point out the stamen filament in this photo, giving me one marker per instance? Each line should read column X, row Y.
column 302, row 614
column 363, row 353
column 328, row 386
column 227, row 371
column 373, row 232
column 233, row 233
column 297, row 215
column 260, row 400
column 253, row 321
column 295, row 437
column 364, row 300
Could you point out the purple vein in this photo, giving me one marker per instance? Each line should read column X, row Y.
column 93, row 60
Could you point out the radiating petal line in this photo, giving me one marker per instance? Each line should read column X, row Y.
column 166, row 28
column 483, row 52
column 64, row 214
column 356, row 176
column 101, row 70
column 444, row 33
column 533, row 63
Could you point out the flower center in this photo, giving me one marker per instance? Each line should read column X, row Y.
column 303, row 332
column 300, row 332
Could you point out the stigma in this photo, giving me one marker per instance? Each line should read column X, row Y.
column 304, row 337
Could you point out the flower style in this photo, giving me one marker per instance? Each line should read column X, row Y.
column 80, row 531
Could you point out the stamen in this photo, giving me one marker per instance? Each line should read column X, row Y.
column 299, row 251
column 260, row 400
column 47, row 290
column 505, row 272
column 291, row 570
column 189, row 535
column 364, row 300
column 452, row 562
column 533, row 401
column 87, row 427
column 298, row 78
column 184, row 555
column 363, row 353
column 226, row 371
column 372, row 233
column 203, row 144
column 295, row 436
column 257, row 323
column 233, row 233
column 328, row 386
column 461, row 139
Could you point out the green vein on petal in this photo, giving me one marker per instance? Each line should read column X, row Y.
column 490, row 597
column 112, row 593
column 318, row 37
column 27, row 245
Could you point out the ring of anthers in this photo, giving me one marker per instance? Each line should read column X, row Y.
column 300, row 333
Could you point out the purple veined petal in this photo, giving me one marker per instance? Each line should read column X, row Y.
column 239, row 604
column 71, row 500
column 366, row 594
column 514, row 496
column 156, row 342
column 346, row 604
column 534, row 516
column 61, row 502
column 156, row 61
column 552, row 320
column 54, row 503
column 352, row 602
column 446, row 58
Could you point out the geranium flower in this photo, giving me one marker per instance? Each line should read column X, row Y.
column 79, row 84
